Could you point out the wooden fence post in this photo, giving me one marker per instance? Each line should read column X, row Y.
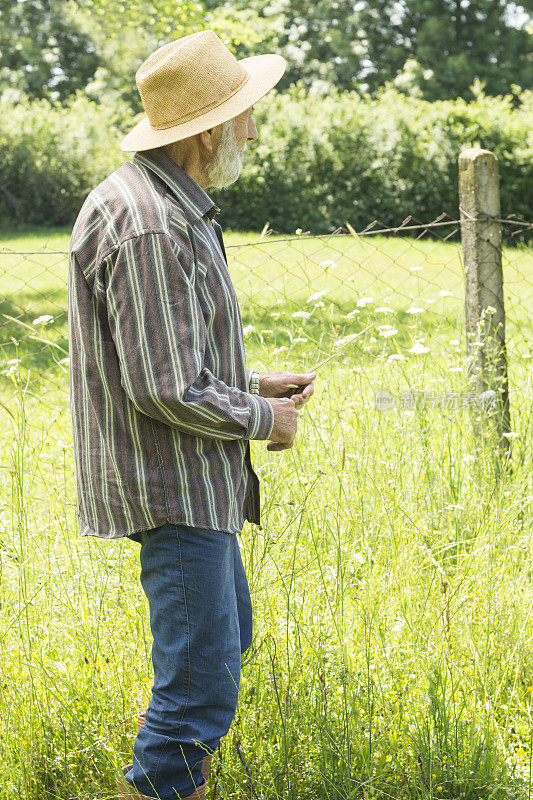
column 479, row 205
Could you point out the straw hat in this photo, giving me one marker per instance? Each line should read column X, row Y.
column 193, row 84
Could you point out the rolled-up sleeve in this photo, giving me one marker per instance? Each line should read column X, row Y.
column 158, row 329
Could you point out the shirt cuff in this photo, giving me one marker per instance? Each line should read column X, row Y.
column 261, row 418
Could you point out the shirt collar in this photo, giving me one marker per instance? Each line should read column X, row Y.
column 195, row 202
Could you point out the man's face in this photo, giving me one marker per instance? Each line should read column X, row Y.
column 245, row 129
column 225, row 166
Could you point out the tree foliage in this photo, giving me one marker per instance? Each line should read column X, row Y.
column 321, row 42
column 43, row 51
column 442, row 45
column 160, row 20
column 433, row 49
column 125, row 35
column 453, row 42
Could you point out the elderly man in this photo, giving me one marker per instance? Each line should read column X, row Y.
column 163, row 406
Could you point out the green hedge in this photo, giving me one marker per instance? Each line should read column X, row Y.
column 319, row 160
column 51, row 157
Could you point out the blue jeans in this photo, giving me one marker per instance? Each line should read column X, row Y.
column 201, row 622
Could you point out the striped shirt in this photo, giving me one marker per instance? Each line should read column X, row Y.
column 161, row 410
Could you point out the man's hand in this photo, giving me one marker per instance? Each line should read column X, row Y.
column 277, row 384
column 285, row 420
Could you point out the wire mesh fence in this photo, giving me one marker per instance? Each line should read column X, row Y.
column 301, row 296
column 518, row 289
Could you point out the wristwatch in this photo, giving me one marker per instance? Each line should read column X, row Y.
column 254, row 383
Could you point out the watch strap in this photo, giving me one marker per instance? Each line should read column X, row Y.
column 254, row 382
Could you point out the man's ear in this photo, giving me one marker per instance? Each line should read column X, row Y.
column 208, row 139
column 205, row 140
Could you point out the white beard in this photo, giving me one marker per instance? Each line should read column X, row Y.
column 226, row 165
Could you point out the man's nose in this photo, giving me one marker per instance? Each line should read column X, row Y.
column 252, row 130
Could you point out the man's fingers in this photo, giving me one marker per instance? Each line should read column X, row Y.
column 303, row 386
column 275, row 446
column 302, row 397
column 304, row 377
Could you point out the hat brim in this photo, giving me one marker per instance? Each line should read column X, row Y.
column 263, row 71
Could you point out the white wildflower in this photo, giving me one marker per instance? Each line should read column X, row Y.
column 444, row 293
column 511, row 435
column 418, row 349
column 301, row 315
column 415, row 310
column 469, row 459
column 351, row 314
column 346, row 339
column 327, row 265
column 395, row 357
column 44, row 320
column 389, row 332
column 385, row 310
column 416, row 268
column 316, row 296
column 248, row 329
column 364, row 301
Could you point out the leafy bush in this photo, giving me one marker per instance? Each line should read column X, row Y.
column 51, row 157
column 320, row 160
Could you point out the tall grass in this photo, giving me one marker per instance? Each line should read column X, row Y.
column 391, row 584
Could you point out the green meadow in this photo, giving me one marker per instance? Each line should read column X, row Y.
column 392, row 576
